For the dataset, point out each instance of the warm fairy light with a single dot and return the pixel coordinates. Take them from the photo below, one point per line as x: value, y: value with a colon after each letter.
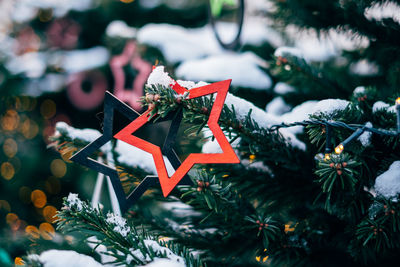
x: 398, y: 101
x: 48, y: 108
x: 58, y: 168
x: 126, y: 1
x: 19, y: 261
x: 11, y: 218
x: 225, y: 176
x: 327, y: 156
x: 25, y: 194
x: 38, y: 198
x: 5, y: 205
x: 32, y: 231
x: 288, y: 228
x: 10, y: 120
x: 46, y: 231
x: 339, y: 149
x: 48, y: 213
x: 10, y: 147
x: 7, y: 170
x: 29, y: 129
x: 252, y: 158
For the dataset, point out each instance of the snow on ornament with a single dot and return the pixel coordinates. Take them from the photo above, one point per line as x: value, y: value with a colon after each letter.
x: 128, y: 85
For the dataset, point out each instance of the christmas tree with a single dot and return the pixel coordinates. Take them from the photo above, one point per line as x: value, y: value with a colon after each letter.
x: 297, y: 165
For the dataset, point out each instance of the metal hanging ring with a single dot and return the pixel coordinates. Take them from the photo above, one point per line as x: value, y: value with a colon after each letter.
x: 235, y: 43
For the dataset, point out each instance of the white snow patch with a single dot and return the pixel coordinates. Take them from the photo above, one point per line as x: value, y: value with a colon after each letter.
x: 383, y: 10
x: 159, y: 77
x: 157, y: 249
x: 162, y: 262
x: 359, y: 90
x: 73, y: 200
x: 283, y: 88
x: 66, y: 258
x: 119, y: 28
x: 50, y: 83
x: 119, y: 224
x: 379, y: 105
x: 243, y: 69
x: 329, y: 106
x: 388, y: 183
x: 364, y: 68
x: 81, y: 60
x: 365, y: 138
x: 299, y: 113
x: 277, y: 106
x: 32, y: 65
x: 285, y: 51
x: 87, y: 135
x: 60, y: 8
x: 180, y: 209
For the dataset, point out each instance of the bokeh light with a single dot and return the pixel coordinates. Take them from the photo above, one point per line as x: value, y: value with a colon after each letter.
x: 10, y: 147
x: 25, y: 194
x: 48, y: 213
x: 58, y: 168
x: 53, y: 185
x: 48, y: 108
x: 10, y: 120
x: 11, y: 218
x: 46, y: 230
x: 29, y: 129
x: 38, y: 198
x: 5, y: 205
x: 19, y: 261
x: 7, y: 170
x: 32, y: 231
x: 127, y: 1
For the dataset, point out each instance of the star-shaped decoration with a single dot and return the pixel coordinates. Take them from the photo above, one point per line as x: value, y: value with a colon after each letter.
x: 227, y: 156
x: 111, y: 103
x: 117, y: 64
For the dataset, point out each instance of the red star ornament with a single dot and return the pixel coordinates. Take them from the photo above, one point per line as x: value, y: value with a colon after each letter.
x: 227, y: 156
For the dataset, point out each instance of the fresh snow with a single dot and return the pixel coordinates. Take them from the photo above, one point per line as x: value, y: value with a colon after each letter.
x: 162, y: 262
x: 119, y: 28
x: 379, y: 105
x: 283, y: 88
x: 244, y: 70
x: 85, y: 59
x: 66, y: 258
x: 386, y: 9
x: 32, y: 65
x: 119, y: 224
x: 277, y: 106
x: 157, y: 249
x: 73, y: 200
x: 330, y: 106
x: 365, y: 138
x: 179, y: 44
x: 388, y: 183
x: 364, y: 68
x: 359, y: 90
x: 159, y: 77
x: 285, y: 51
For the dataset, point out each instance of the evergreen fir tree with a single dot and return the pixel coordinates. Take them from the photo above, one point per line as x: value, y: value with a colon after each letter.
x: 319, y: 179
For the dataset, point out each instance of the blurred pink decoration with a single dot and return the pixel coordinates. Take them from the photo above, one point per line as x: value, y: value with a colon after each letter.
x: 63, y: 33
x: 27, y: 41
x: 93, y: 97
x: 130, y: 56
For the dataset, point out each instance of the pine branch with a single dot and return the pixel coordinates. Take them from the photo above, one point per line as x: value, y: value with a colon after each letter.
x: 126, y: 244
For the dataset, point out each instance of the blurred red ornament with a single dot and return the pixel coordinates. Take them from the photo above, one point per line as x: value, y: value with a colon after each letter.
x: 27, y: 41
x: 117, y: 64
x: 63, y: 33
x: 86, y: 89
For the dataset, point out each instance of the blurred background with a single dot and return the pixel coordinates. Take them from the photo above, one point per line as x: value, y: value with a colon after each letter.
x: 57, y: 58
